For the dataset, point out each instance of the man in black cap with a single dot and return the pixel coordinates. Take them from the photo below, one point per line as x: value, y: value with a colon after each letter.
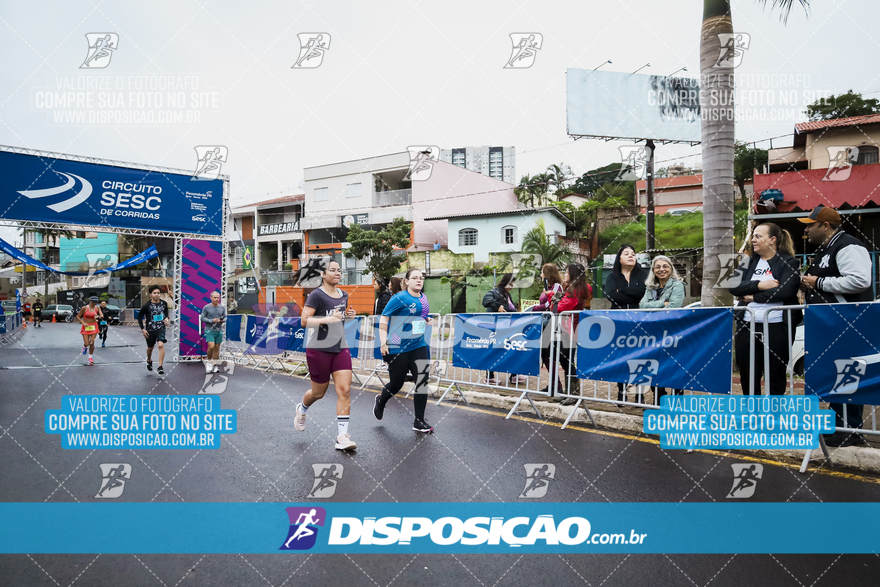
x: 839, y: 272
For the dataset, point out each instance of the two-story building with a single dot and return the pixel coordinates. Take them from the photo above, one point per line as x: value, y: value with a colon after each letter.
x: 678, y: 194
x: 835, y: 163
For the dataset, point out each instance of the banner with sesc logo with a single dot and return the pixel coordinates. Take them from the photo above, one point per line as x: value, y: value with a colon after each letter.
x: 682, y: 349
x: 509, y: 343
x: 46, y: 189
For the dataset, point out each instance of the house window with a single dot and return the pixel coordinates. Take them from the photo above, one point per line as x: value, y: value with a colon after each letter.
x: 322, y: 194
x: 508, y: 235
x: 868, y: 155
x: 238, y: 262
x: 467, y: 237
x: 353, y: 190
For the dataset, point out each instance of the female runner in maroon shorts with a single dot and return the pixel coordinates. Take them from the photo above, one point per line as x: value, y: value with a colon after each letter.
x: 327, y: 352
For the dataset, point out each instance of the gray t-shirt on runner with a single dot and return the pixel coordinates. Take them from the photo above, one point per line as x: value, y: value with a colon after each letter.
x: 209, y: 312
x: 329, y: 338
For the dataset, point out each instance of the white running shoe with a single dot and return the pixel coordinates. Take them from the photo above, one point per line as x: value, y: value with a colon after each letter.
x: 299, y: 422
x: 345, y: 442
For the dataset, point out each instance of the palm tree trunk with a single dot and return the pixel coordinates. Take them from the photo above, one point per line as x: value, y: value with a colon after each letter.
x: 716, y: 103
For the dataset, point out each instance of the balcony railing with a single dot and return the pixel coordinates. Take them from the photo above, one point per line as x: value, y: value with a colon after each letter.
x: 392, y: 198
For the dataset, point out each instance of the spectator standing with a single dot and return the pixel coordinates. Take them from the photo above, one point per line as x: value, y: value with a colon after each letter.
x: 498, y: 299
x: 576, y: 294
x: 839, y: 272
x: 625, y: 287
x: 663, y: 289
x: 770, y: 278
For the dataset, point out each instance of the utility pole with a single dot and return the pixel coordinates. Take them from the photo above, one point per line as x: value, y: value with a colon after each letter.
x: 649, y: 185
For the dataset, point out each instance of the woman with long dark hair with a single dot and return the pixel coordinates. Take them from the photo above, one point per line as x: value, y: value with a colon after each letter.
x: 625, y: 287
x: 327, y: 353
x: 383, y: 295
x: 395, y: 284
x: 402, y: 335
x: 771, y: 278
x: 576, y: 294
x: 498, y: 299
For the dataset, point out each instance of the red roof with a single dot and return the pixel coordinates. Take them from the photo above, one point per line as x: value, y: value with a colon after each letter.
x: 808, y: 127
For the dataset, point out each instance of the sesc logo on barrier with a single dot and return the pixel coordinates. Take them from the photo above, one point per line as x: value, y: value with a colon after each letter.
x: 303, y: 531
x: 683, y: 349
x: 510, y: 343
x: 93, y: 194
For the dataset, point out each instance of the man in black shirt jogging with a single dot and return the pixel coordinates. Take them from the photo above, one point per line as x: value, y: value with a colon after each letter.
x: 155, y: 314
x: 839, y: 272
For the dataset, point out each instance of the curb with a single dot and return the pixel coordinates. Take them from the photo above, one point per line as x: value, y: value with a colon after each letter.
x: 864, y: 459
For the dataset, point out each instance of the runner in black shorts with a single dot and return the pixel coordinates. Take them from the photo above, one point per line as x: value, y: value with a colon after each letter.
x: 37, y: 311
x: 327, y: 352
x: 103, y: 325
x: 155, y: 313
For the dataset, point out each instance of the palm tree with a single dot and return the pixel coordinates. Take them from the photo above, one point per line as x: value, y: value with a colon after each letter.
x: 560, y: 175
x: 524, y: 192
x: 536, y: 241
x: 541, y: 185
x: 716, y: 102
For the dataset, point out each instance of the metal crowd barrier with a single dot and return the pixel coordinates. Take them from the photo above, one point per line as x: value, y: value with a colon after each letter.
x: 567, y: 339
x: 12, y: 329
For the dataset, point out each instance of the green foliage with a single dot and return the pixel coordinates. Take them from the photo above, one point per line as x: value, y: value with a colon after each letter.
x: 377, y: 248
x: 592, y: 180
x: 671, y: 232
x: 842, y: 106
x: 288, y: 267
x: 536, y: 241
x: 104, y: 297
x: 745, y: 160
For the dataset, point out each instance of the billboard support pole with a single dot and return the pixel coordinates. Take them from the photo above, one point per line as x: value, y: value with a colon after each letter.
x: 649, y: 188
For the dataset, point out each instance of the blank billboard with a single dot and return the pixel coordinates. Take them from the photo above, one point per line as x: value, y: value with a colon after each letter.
x: 632, y: 106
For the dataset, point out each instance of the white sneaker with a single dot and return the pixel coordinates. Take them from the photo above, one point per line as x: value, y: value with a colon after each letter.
x: 299, y: 422
x: 345, y: 442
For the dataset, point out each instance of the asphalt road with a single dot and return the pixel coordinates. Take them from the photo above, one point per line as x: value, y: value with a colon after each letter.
x: 474, y: 456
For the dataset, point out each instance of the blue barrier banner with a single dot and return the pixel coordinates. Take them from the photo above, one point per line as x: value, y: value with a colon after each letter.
x: 233, y: 327
x: 682, y: 349
x: 45, y: 189
x: 250, y: 329
x: 296, y: 342
x: 412, y: 528
x: 505, y: 342
x: 842, y: 360
x: 271, y: 335
x: 352, y: 335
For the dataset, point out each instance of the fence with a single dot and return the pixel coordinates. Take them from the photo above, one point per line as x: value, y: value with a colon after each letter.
x: 463, y: 351
x: 11, y: 328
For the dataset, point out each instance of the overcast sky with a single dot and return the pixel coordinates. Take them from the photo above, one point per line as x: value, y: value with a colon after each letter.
x: 397, y: 74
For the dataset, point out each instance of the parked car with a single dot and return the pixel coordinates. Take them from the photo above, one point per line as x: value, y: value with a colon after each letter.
x: 60, y: 311
x: 112, y: 313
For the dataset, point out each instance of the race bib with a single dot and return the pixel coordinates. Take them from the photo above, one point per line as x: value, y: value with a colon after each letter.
x: 418, y: 327
x: 90, y: 328
x: 158, y: 318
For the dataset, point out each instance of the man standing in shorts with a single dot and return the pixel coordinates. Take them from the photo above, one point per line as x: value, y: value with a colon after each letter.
x: 37, y: 309
x: 213, y: 320
x: 153, y: 318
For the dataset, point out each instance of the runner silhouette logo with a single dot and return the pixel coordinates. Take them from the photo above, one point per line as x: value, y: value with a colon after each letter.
x: 745, y: 479
x: 303, y: 531
x: 113, y: 478
x: 538, y: 477
x: 327, y: 475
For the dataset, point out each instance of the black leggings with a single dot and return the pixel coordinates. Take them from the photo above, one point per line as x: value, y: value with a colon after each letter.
x: 102, y: 332
x: 398, y: 366
x: 779, y: 346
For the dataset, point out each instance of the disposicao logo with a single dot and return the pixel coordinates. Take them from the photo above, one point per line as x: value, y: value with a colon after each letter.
x: 78, y: 198
x: 303, y: 532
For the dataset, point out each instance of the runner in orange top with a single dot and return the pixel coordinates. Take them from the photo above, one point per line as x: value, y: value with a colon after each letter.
x: 87, y: 316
